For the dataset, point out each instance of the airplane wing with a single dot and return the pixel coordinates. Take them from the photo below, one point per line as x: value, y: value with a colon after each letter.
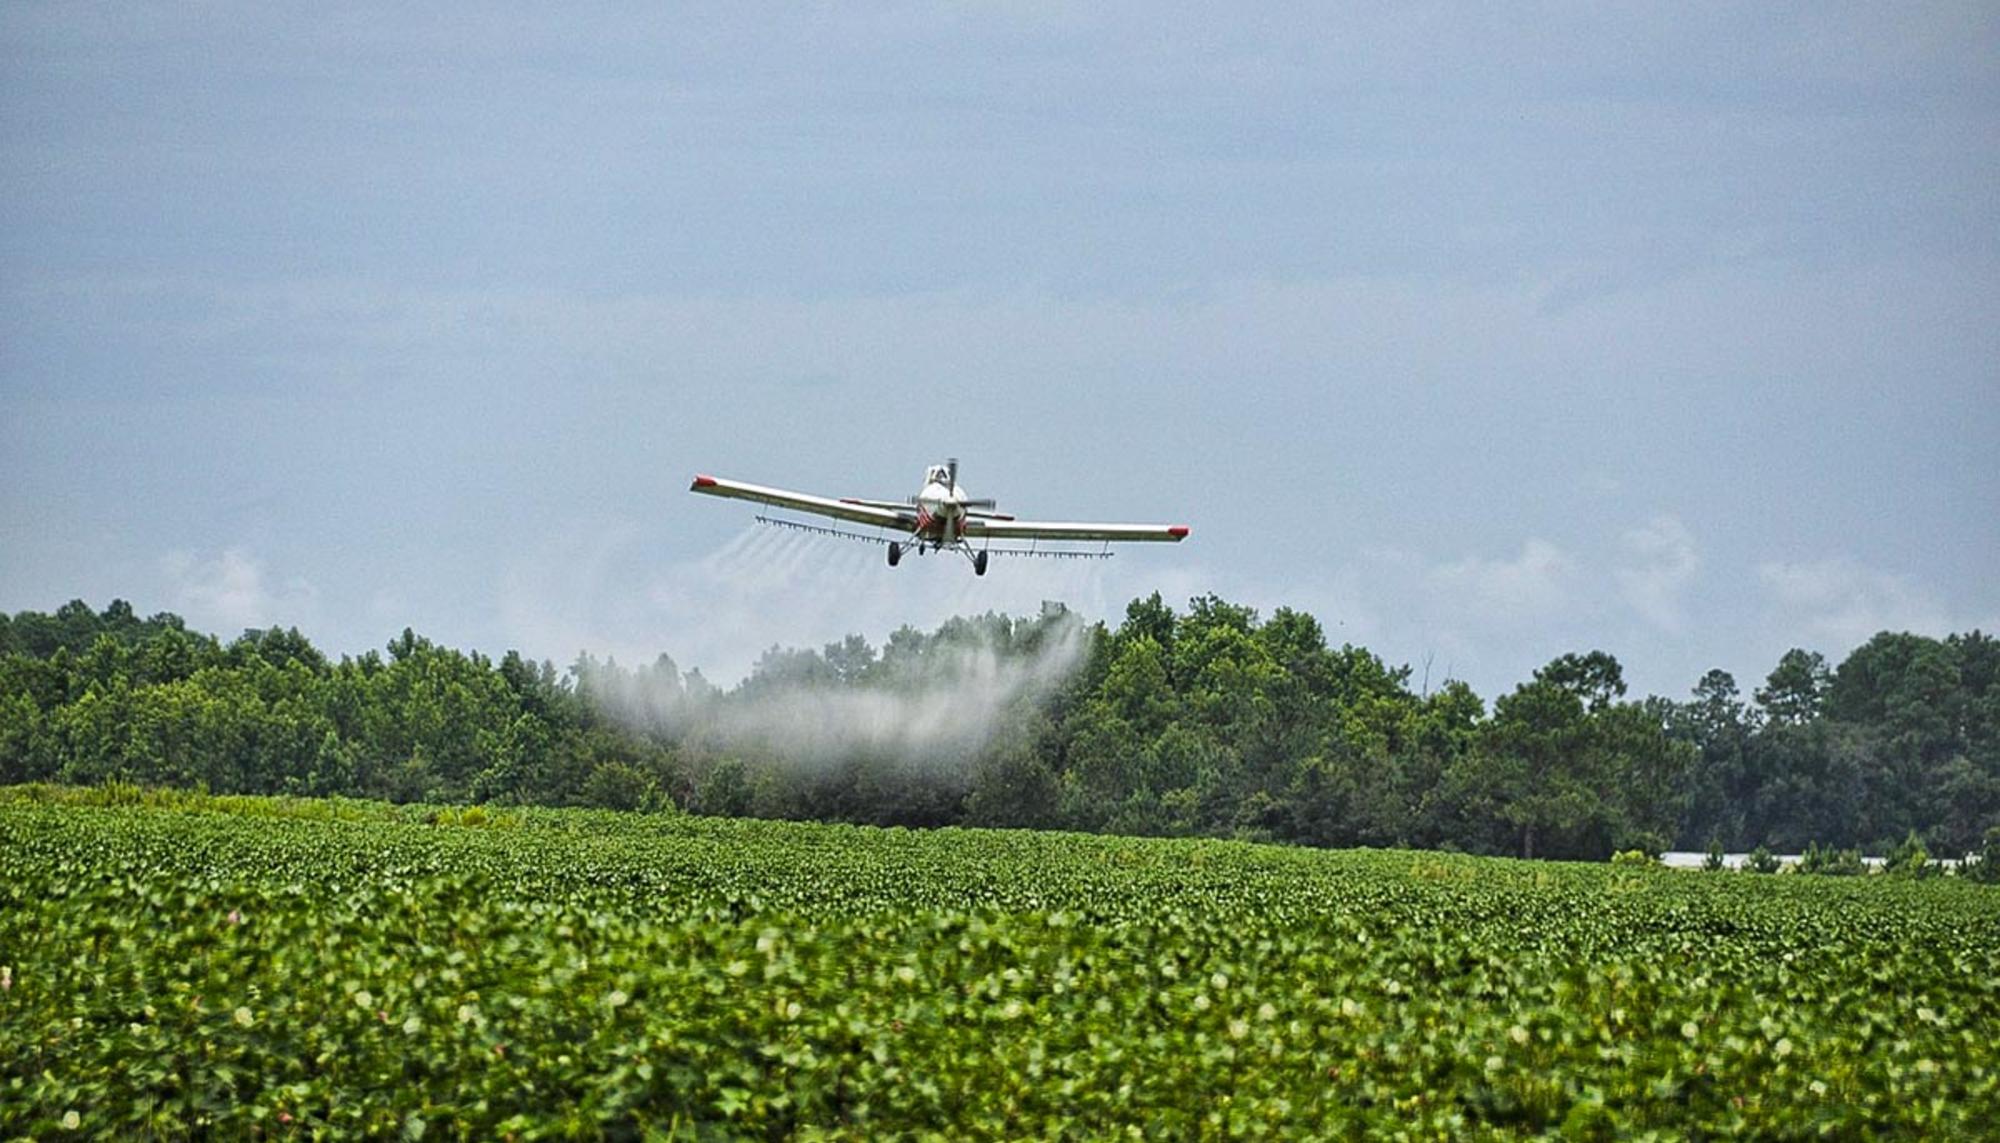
x: 878, y: 513
x: 903, y: 505
x: 976, y: 526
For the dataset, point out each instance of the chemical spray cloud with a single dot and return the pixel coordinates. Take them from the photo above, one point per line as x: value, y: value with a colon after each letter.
x: 768, y: 587
x: 933, y: 707
x: 945, y: 707
x: 931, y: 701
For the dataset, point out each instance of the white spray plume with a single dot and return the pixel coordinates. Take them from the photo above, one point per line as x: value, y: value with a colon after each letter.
x: 929, y: 702
x: 601, y: 587
x: 950, y: 706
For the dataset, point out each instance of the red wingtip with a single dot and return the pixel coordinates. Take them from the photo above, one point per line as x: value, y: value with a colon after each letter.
x: 702, y: 482
x: 1178, y: 531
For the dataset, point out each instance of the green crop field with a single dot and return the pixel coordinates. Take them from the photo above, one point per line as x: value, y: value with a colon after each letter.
x: 234, y: 967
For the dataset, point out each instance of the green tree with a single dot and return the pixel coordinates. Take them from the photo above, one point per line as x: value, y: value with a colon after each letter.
x: 617, y: 786
x: 725, y: 791
x: 1105, y: 765
x: 851, y: 660
x: 1646, y: 771
x: 1433, y: 771
x: 1831, y: 862
x: 1903, y: 692
x: 1148, y: 618
x: 1014, y: 787
x: 1810, y: 784
x: 1536, y: 765
x: 1792, y: 693
x: 21, y: 740
x: 1718, y: 724
x: 522, y: 765
x: 1984, y: 866
x: 1595, y: 678
x: 1910, y: 858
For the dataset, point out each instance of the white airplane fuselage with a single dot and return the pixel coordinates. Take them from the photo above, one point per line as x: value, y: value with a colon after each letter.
x: 941, y: 512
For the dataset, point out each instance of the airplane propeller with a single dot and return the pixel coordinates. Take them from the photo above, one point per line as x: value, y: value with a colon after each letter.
x: 951, y: 479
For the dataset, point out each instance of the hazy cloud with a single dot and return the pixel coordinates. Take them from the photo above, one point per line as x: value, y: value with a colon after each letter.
x: 1536, y: 585
x: 1481, y: 618
x: 1841, y: 603
x: 229, y: 593
x: 1660, y: 565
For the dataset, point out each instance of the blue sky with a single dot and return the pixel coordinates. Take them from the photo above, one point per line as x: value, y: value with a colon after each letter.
x: 1484, y: 334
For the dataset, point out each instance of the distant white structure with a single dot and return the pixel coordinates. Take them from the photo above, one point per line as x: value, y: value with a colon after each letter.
x: 1681, y: 859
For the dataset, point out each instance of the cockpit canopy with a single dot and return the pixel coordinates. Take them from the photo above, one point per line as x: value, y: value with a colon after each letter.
x: 938, y: 474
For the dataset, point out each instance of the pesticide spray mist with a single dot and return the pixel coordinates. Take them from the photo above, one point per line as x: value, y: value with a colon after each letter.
x: 946, y: 705
x: 929, y: 701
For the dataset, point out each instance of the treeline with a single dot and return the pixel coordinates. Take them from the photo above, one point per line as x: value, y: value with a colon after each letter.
x: 1210, y: 721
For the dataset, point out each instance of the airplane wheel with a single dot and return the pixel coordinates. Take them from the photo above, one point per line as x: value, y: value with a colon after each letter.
x: 979, y: 563
x: 895, y: 554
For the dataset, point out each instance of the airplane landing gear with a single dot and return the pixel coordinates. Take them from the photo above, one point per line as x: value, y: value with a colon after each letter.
x: 895, y: 554
x: 979, y: 563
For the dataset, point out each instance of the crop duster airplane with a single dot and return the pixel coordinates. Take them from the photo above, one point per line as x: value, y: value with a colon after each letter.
x: 940, y: 517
